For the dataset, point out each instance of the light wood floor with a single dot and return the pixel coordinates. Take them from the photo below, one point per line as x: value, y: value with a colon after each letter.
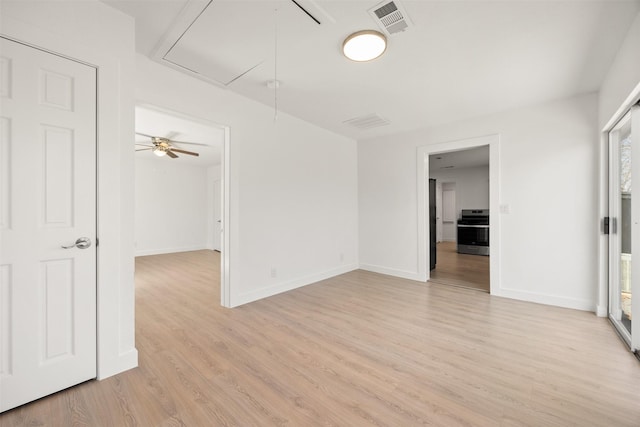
x: 452, y: 268
x: 356, y: 350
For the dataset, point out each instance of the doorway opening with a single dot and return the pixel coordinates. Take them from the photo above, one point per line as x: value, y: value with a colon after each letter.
x: 466, y: 181
x: 462, y: 185
x: 181, y: 197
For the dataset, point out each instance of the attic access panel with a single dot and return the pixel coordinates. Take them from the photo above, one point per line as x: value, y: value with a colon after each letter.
x: 228, y: 39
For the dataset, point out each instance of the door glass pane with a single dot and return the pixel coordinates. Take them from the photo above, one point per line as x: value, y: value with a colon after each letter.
x: 624, y: 139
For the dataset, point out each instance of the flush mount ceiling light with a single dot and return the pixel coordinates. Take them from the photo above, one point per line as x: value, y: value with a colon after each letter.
x: 364, y: 45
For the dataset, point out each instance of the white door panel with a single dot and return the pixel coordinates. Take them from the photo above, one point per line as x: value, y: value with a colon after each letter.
x: 48, y: 199
x: 449, y: 215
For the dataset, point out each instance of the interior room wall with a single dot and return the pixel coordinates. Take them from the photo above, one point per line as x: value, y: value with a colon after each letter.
x: 293, y: 186
x: 623, y: 75
x: 548, y: 172
x: 172, y: 206
x: 96, y: 34
x: 472, y: 186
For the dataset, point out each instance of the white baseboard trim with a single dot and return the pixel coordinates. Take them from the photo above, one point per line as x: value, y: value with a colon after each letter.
x: 124, y: 362
x: 411, y: 275
x: 602, y: 311
x: 289, y: 285
x: 558, y: 301
x: 170, y: 250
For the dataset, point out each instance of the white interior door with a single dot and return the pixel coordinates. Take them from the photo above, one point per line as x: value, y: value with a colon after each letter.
x: 438, y: 212
x: 449, y: 212
x: 48, y: 200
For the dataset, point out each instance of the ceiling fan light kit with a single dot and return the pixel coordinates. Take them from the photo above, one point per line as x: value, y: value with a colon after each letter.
x: 159, y: 151
x: 162, y: 146
x: 365, y: 45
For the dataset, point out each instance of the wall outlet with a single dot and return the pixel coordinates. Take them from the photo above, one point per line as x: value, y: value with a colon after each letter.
x: 341, y: 257
x: 274, y: 273
x: 505, y: 209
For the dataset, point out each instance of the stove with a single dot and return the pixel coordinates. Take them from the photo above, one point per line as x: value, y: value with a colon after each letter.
x: 473, y: 232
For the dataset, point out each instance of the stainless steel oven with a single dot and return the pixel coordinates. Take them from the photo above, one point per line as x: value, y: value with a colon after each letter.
x: 473, y: 232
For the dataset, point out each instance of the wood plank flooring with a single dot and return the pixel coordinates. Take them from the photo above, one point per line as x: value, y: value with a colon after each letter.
x: 356, y: 350
x: 452, y: 268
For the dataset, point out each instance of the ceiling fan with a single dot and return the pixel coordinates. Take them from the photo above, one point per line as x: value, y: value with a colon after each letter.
x: 161, y: 146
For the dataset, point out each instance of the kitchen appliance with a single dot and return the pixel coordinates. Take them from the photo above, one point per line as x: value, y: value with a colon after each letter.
x: 473, y: 232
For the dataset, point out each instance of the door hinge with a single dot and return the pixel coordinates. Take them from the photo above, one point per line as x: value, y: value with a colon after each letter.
x: 609, y: 225
x: 97, y: 242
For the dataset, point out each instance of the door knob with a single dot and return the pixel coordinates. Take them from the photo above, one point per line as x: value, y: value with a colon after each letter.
x: 81, y: 243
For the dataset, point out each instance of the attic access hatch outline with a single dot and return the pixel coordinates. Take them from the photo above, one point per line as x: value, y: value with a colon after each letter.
x: 204, y: 20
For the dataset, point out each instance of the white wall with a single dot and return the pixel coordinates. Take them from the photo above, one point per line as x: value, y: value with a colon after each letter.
x: 94, y: 33
x: 293, y: 186
x: 623, y: 75
x: 548, y: 173
x: 172, y: 206
x: 472, y: 186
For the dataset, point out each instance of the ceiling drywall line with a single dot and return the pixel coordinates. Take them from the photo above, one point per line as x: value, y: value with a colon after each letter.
x: 185, y: 31
x: 307, y: 12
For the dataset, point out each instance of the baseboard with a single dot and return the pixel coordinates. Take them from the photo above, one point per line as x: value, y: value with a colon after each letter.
x: 269, y: 291
x: 170, y: 250
x: 558, y: 301
x: 124, y: 362
x: 602, y: 311
x: 411, y: 275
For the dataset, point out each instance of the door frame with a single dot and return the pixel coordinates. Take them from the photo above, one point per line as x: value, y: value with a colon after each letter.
x: 602, y: 306
x: 422, y: 158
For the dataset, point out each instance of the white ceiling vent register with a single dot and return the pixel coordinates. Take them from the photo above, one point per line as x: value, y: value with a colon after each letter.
x: 390, y: 17
x: 367, y: 122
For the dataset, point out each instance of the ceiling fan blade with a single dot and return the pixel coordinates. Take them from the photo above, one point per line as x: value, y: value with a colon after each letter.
x: 144, y: 134
x: 143, y: 149
x: 189, y: 143
x: 191, y: 153
x: 144, y: 145
x: 172, y: 135
x: 171, y: 154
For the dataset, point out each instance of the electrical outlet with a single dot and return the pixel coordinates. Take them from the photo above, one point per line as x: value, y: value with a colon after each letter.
x: 274, y: 272
x: 341, y: 257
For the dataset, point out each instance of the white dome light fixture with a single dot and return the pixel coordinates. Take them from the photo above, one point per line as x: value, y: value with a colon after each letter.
x: 364, y: 45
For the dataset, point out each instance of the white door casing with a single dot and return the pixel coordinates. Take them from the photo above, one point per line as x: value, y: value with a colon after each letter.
x: 47, y: 200
x: 217, y: 215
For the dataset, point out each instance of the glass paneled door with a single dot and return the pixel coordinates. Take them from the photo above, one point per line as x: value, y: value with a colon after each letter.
x: 624, y: 210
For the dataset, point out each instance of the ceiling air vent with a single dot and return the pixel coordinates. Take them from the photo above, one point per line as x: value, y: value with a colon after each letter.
x: 367, y: 122
x: 390, y: 16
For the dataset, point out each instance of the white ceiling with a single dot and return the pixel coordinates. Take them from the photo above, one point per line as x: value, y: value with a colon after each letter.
x: 458, y: 60
x: 473, y: 157
x: 210, y: 139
